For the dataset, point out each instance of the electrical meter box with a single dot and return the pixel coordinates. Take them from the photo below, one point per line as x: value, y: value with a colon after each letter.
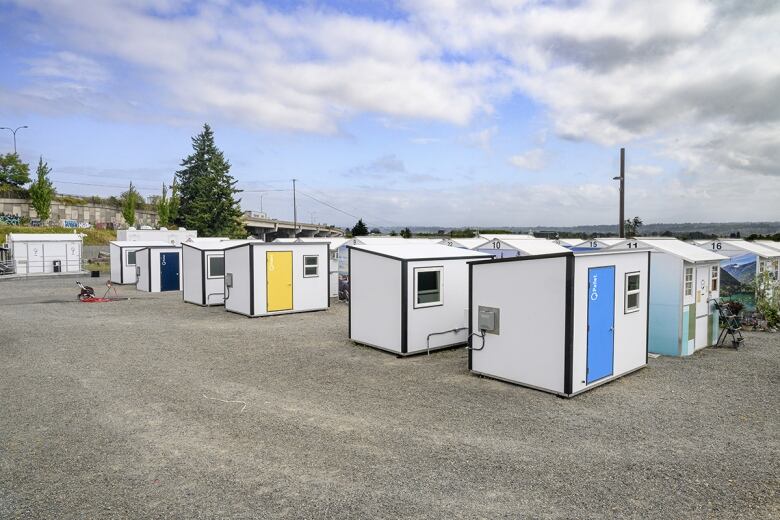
x: 228, y: 279
x: 489, y: 319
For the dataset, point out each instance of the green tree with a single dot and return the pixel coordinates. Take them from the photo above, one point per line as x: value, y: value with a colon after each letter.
x: 129, y: 202
x: 360, y: 229
x: 42, y: 191
x: 207, y: 192
x: 13, y: 172
x: 163, y: 207
x: 173, y: 203
x: 632, y: 227
x: 406, y: 233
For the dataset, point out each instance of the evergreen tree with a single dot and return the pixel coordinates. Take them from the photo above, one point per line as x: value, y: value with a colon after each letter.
x: 406, y: 233
x: 207, y: 191
x: 129, y: 201
x: 42, y: 191
x: 360, y: 229
x: 632, y: 227
x: 13, y: 172
x: 163, y: 207
x: 173, y: 203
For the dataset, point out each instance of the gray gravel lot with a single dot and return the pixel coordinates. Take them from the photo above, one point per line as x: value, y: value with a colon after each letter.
x: 103, y: 415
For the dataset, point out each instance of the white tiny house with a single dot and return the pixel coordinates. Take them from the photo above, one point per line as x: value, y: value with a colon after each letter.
x: 263, y: 279
x: 338, y: 250
x: 463, y: 243
x: 409, y: 298
x: 123, y: 259
x: 203, y: 270
x: 513, y: 247
x: 684, y: 279
x: 563, y: 323
x: 144, y: 234
x: 34, y: 253
x: 158, y: 268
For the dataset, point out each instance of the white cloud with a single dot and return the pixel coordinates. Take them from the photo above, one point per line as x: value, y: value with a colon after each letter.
x: 529, y: 160
x: 482, y: 138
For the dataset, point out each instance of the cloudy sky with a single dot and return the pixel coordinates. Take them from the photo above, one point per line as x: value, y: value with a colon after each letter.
x: 418, y: 112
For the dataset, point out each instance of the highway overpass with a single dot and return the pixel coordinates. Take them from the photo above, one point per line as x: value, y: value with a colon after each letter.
x: 260, y: 226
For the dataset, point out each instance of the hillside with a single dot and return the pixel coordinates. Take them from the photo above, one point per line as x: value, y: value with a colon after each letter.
x: 92, y: 237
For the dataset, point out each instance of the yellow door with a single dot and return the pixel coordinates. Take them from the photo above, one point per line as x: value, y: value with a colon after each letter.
x: 279, y: 278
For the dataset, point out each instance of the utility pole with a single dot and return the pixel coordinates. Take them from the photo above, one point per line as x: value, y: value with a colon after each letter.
x: 14, y: 132
x: 622, y: 179
x: 295, y: 213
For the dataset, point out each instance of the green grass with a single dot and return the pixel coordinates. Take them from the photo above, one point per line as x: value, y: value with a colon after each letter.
x: 93, y: 237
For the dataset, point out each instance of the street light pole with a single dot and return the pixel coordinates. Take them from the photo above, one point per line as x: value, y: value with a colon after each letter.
x: 622, y: 179
x: 13, y: 130
x: 295, y: 213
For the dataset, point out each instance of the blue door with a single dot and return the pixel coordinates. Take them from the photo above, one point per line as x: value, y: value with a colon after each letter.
x: 601, y: 322
x: 169, y: 271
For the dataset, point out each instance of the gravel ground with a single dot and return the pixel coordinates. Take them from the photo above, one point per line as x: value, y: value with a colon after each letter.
x: 103, y: 415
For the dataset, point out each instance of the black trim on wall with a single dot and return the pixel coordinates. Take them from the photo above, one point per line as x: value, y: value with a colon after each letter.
x: 121, y: 266
x: 204, y: 274
x: 149, y: 250
x: 647, y: 313
x: 251, y: 280
x: 327, y: 264
x: 476, y: 257
x: 568, y: 356
x: 404, y: 306
x: 471, y: 309
x: 521, y: 258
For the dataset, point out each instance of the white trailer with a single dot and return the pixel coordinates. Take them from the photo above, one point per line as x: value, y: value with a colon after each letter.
x: 513, y: 247
x: 684, y: 281
x: 147, y: 234
x: 338, y: 250
x: 158, y: 268
x: 263, y: 279
x: 34, y: 253
x: 203, y: 270
x: 407, y: 298
x: 123, y: 259
x: 563, y: 323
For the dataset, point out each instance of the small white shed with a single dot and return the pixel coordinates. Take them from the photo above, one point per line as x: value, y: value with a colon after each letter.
x: 463, y: 243
x: 338, y: 250
x: 158, y: 268
x: 263, y: 278
x: 34, y: 253
x: 203, y: 270
x: 409, y: 298
x: 563, y: 323
x: 123, y: 259
x: 683, y: 281
x: 513, y: 247
x: 147, y: 234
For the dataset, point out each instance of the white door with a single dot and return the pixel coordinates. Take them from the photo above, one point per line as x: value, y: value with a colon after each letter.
x: 702, y: 306
x: 35, y: 257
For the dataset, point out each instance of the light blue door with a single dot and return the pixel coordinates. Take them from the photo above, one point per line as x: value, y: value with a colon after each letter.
x: 601, y: 322
x: 169, y: 271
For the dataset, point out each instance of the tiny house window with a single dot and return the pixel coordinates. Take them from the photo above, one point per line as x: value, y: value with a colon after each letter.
x: 714, y: 272
x: 427, y: 287
x: 311, y: 266
x: 632, y: 292
x: 689, y: 281
x: 216, y: 266
x: 131, y: 258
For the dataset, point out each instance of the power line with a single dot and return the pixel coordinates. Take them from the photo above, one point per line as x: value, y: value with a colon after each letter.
x: 342, y: 211
x: 328, y: 205
x: 102, y: 185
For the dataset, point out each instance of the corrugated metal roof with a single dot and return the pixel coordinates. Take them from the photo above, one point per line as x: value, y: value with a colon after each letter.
x: 750, y: 247
x: 610, y: 241
x: 571, y: 242
x: 771, y: 244
x: 535, y: 246
x: 418, y: 250
x: 688, y: 252
x: 44, y: 237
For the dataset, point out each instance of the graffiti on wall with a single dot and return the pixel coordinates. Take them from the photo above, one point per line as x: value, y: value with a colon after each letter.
x: 11, y: 220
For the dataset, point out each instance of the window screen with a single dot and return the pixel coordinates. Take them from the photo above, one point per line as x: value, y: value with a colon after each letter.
x: 428, y: 287
x: 216, y: 266
x: 131, y: 258
x: 632, y: 292
x: 311, y: 266
x: 714, y: 271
